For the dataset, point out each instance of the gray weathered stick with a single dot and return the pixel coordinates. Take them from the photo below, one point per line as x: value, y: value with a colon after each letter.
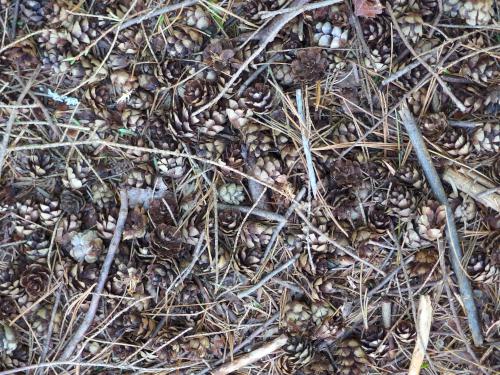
x: 305, y: 142
x: 94, y: 303
x: 451, y: 230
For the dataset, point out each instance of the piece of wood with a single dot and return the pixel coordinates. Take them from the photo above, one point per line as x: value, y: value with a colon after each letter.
x: 253, y: 356
x: 424, y: 320
x: 474, y: 185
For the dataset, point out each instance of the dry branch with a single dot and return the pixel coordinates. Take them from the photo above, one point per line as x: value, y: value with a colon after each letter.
x: 113, y: 247
x: 455, y: 252
x: 252, y: 357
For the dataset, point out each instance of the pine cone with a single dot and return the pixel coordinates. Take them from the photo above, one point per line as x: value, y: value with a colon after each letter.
x: 434, y: 125
x: 35, y: 280
x: 411, y: 176
x: 160, y: 277
x: 195, y: 93
x: 351, y: 358
x: 136, y: 325
x: 431, y: 220
x: 86, y: 246
x: 35, y: 164
x: 476, y: 12
x: 486, y: 139
x: 481, y: 269
x: 345, y: 132
x: 183, y: 42
x: 258, y: 98
x: 330, y: 36
x: 464, y: 207
x: 284, y: 73
x: 411, y: 24
x: 423, y: 264
x: 402, y: 202
x: 405, y: 331
x: 378, y: 219
x: 49, y: 213
x: 8, y: 339
x: 373, y: 341
x: 297, y: 318
x: 232, y: 194
x: 135, y: 226
x: 299, y: 351
x: 248, y: 260
x: 344, y: 173
x: 319, y: 365
x: 375, y: 29
x: 380, y: 57
x: 310, y: 65
x: 197, y: 17
x: 455, y: 141
x: 269, y: 170
x: 208, y: 123
x: 258, y: 139
x: 480, y: 68
x: 229, y: 221
x: 166, y: 241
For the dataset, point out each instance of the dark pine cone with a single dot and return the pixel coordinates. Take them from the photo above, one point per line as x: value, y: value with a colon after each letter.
x: 35, y: 279
x: 310, y: 65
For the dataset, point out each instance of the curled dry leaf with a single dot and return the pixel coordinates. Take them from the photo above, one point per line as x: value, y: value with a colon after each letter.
x: 367, y: 8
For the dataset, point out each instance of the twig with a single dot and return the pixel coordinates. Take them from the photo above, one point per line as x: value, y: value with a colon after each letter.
x: 446, y: 283
x: 251, y: 357
x: 245, y: 342
x: 407, y: 68
x: 456, y: 252
x: 113, y: 247
x: 321, y: 4
x: 305, y: 142
x: 51, y: 326
x: 14, y: 20
x: 254, y: 211
x: 282, y: 224
x: 156, y: 13
x: 443, y: 84
x: 268, y: 277
x: 12, y: 118
x: 266, y: 36
x: 424, y: 320
x: 138, y: 370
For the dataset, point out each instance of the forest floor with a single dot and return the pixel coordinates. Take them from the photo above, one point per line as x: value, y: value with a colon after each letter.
x: 249, y: 187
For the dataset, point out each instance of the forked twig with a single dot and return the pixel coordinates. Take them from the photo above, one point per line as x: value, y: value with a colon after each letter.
x: 267, y: 35
x: 455, y: 252
x: 113, y: 247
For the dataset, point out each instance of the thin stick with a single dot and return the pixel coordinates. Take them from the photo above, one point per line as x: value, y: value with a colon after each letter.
x: 113, y: 247
x: 282, y: 224
x: 455, y: 253
x: 252, y: 357
x: 14, y: 20
x: 271, y: 216
x: 12, y: 118
x: 305, y: 142
x: 267, y: 36
x: 245, y: 342
x: 156, y: 13
x: 51, y: 326
x: 268, y: 277
x: 407, y: 68
x: 443, y: 84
